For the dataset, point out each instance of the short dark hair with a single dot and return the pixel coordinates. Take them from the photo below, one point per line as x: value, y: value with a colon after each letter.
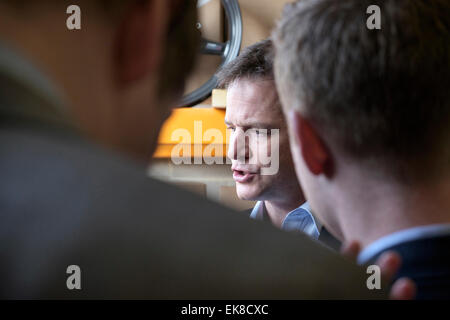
x: 380, y: 95
x: 255, y: 61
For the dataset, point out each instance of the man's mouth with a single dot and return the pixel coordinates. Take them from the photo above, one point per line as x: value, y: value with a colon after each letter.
x: 243, y: 176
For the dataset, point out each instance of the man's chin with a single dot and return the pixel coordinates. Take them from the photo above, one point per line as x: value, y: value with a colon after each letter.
x: 248, y: 195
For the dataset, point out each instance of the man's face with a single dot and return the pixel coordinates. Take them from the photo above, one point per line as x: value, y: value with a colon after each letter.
x: 252, y: 108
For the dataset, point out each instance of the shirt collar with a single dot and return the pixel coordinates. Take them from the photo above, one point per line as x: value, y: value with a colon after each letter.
x: 317, y: 222
x: 258, y: 211
x: 396, y: 238
x: 299, y: 219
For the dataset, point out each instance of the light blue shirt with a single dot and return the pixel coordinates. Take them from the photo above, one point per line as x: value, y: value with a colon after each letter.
x: 300, y: 219
x: 396, y: 238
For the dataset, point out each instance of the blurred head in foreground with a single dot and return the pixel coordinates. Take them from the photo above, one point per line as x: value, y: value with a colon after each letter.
x: 120, y: 73
x: 253, y: 111
x: 368, y: 112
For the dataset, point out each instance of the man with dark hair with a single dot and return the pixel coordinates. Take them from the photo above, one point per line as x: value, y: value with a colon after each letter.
x: 369, y: 118
x: 253, y: 104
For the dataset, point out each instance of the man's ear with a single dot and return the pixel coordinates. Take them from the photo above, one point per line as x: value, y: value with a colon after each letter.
x: 140, y: 40
x: 314, y: 151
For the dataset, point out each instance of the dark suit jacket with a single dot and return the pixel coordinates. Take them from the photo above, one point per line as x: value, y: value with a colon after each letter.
x: 65, y: 201
x: 427, y: 262
x: 325, y: 236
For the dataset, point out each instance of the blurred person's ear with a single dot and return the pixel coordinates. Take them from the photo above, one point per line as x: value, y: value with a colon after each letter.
x: 313, y: 150
x: 139, y: 45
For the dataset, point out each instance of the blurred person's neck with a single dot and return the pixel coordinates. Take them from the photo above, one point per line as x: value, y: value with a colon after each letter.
x: 369, y: 207
x: 277, y: 210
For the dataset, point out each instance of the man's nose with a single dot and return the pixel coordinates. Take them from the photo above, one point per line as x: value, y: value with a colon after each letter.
x: 239, y: 146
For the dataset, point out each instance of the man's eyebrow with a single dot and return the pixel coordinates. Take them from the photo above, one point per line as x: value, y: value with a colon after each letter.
x: 260, y: 125
x: 255, y: 125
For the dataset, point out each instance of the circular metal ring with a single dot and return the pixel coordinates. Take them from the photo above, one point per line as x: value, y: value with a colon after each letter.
x: 228, y: 51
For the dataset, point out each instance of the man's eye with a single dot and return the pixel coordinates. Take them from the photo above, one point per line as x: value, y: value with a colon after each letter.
x: 231, y: 128
x: 262, y: 131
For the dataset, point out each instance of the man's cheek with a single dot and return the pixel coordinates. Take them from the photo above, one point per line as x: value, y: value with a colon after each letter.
x: 260, y: 151
x: 253, y: 152
x: 270, y: 159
